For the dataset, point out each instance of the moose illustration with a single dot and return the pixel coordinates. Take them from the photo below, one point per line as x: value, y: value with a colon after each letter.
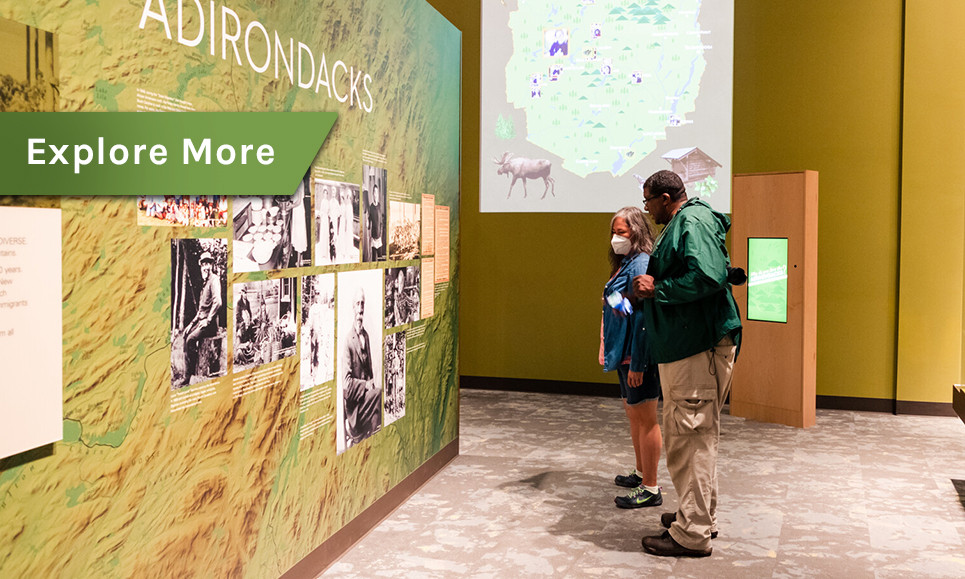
x: 523, y: 168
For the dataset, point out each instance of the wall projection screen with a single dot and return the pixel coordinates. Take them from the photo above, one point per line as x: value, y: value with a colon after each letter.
x: 580, y: 97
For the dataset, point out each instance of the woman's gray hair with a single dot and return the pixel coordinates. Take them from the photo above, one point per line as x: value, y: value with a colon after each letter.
x: 641, y: 234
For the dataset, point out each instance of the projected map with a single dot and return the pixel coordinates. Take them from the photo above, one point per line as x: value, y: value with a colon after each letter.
x: 595, y: 91
x: 583, y: 93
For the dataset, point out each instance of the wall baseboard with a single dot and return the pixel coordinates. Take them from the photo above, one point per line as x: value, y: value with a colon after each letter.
x: 925, y: 408
x: 613, y: 391
x: 313, y: 564
x: 855, y: 403
x: 541, y: 386
x: 885, y: 405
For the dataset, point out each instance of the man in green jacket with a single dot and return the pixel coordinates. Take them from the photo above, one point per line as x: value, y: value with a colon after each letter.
x: 695, y: 330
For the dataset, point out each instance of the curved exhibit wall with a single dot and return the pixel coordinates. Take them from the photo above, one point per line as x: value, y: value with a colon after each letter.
x: 242, y: 377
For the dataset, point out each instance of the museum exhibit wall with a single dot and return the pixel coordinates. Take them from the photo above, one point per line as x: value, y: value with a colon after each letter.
x: 326, y: 374
x: 817, y: 86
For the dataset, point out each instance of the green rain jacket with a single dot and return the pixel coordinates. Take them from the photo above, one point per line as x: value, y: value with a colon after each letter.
x: 693, y: 307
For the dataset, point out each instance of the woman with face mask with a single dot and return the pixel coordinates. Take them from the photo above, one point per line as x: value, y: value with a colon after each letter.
x: 624, y: 348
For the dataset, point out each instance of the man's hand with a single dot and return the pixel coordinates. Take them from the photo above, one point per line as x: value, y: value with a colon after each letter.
x: 643, y: 286
x: 634, y: 379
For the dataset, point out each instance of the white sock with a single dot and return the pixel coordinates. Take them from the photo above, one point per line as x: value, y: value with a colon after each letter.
x: 653, y: 490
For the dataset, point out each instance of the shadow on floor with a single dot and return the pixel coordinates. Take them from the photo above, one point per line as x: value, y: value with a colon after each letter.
x: 582, y: 505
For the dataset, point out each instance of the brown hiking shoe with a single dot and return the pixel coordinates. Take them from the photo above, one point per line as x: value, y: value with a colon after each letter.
x: 665, y: 546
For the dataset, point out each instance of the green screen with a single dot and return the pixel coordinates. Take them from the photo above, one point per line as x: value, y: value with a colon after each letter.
x: 767, y: 279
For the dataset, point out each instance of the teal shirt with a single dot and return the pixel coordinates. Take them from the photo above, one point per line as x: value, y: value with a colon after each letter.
x: 693, y: 307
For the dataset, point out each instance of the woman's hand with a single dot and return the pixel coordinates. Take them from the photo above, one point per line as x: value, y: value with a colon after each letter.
x: 623, y: 308
x: 634, y: 379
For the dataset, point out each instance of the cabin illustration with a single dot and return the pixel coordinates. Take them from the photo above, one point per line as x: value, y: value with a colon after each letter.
x: 691, y: 164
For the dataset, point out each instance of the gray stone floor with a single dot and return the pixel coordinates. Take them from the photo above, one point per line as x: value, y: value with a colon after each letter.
x: 531, y: 494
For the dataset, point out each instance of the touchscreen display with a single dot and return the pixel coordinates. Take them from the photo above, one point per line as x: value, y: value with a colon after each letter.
x: 767, y: 279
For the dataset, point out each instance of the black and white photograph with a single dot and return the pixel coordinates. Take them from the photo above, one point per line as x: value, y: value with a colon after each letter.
x: 336, y: 222
x: 28, y: 69
x: 265, y: 326
x: 373, y: 222
x: 318, y: 330
x: 359, y: 381
x: 404, y: 230
x: 199, y: 281
x: 394, y: 377
x: 402, y: 293
x: 271, y: 232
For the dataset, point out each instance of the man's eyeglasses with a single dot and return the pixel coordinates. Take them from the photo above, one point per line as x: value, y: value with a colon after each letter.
x: 649, y: 199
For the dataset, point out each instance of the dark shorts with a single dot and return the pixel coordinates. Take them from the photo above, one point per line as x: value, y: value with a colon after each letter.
x: 646, y: 392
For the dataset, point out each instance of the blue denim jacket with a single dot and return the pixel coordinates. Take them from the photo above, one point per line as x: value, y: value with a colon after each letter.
x: 625, y: 336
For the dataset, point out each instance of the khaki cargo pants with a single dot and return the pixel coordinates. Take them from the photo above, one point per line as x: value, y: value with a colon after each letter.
x: 694, y: 390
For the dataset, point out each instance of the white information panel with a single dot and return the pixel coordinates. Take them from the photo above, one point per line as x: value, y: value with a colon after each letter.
x: 31, y: 331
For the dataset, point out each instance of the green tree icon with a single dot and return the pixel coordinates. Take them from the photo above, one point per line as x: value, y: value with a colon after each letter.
x: 505, y: 128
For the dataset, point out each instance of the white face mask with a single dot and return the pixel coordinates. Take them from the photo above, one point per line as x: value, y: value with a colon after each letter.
x: 620, y: 244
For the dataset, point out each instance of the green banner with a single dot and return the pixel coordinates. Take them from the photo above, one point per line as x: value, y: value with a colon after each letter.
x: 158, y: 153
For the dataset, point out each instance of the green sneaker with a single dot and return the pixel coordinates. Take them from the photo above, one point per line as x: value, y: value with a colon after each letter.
x: 630, y: 481
x: 639, y: 497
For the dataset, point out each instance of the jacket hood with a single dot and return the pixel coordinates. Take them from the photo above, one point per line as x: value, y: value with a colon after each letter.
x: 721, y: 218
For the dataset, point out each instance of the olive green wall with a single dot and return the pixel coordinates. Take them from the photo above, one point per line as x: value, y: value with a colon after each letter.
x: 817, y: 85
x: 932, y: 202
x: 530, y: 305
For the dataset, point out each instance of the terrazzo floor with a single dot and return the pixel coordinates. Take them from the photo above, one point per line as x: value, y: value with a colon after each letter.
x: 859, y: 495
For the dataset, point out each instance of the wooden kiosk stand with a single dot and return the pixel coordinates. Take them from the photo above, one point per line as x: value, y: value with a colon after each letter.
x: 775, y: 238
x: 958, y: 400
